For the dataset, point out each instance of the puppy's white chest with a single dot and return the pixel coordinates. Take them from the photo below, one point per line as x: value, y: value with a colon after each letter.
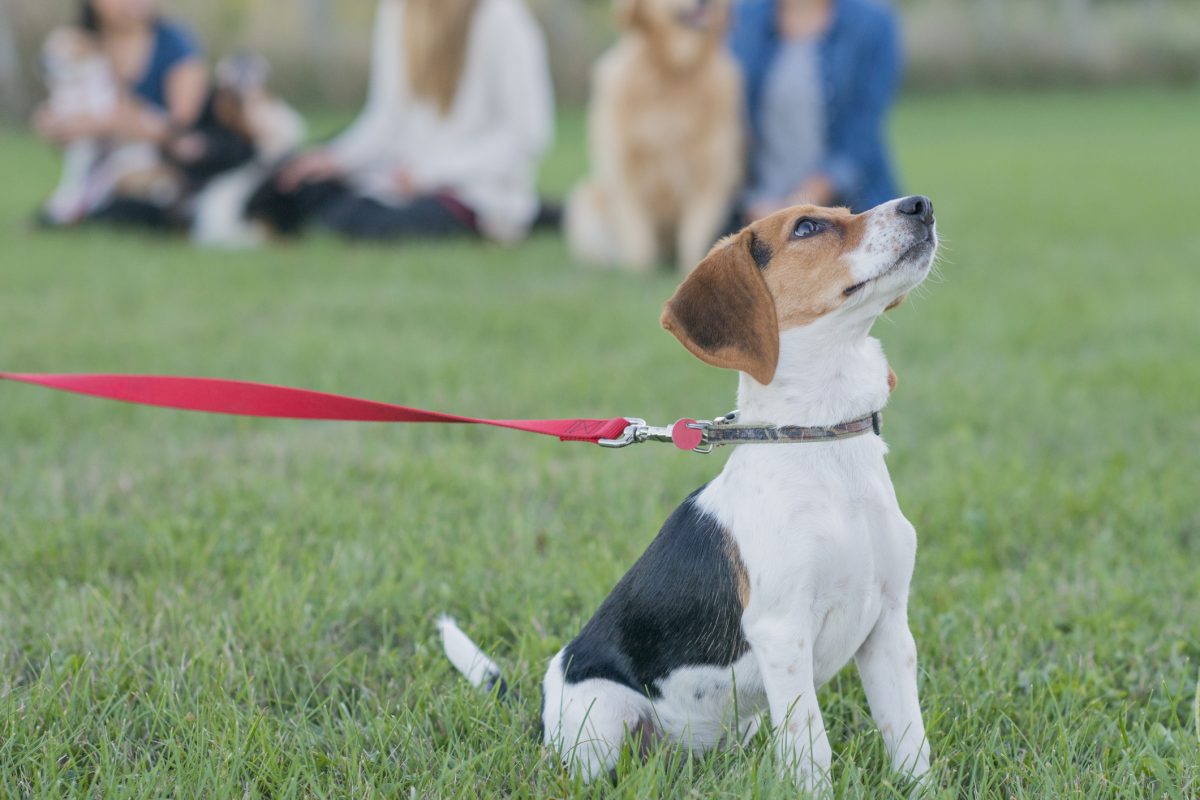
x: 822, y: 539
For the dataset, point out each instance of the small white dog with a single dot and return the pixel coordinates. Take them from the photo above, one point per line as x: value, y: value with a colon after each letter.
x: 81, y: 84
x: 796, y: 558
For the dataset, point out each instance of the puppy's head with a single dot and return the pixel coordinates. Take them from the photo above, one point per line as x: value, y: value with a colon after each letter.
x: 67, y: 51
x: 680, y: 30
x: 242, y: 73
x: 240, y: 81
x: 793, y: 268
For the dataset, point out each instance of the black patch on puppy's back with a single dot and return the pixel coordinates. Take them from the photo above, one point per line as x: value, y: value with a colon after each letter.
x: 680, y: 604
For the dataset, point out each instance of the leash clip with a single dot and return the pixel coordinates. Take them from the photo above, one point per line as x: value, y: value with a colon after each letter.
x: 680, y: 434
x: 706, y: 445
x: 686, y: 434
x: 628, y: 436
x: 638, y: 431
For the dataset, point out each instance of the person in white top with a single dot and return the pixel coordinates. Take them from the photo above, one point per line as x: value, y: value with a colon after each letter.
x: 459, y: 113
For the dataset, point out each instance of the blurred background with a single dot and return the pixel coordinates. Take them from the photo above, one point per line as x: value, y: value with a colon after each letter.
x: 244, y: 608
x: 316, y: 46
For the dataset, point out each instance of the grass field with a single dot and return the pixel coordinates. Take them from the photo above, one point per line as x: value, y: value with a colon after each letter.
x: 211, y: 607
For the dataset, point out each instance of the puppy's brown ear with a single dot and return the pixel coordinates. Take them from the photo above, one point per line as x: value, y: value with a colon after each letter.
x: 724, y: 314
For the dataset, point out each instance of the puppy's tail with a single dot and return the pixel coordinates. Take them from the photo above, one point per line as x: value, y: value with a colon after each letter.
x: 468, y: 659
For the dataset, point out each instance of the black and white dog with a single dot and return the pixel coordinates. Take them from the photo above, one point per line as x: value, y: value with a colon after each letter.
x: 796, y: 558
x: 242, y: 103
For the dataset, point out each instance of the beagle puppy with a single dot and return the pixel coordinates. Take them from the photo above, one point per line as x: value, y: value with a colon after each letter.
x: 796, y: 558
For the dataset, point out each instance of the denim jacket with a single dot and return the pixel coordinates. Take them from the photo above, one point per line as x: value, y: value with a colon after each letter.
x: 860, y: 63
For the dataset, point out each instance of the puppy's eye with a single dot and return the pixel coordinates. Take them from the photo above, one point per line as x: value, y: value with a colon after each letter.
x: 808, y: 227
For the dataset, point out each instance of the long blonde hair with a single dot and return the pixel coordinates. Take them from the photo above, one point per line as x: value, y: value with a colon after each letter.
x: 435, y: 40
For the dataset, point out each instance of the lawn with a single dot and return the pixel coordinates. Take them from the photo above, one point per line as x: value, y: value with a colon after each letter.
x: 195, y: 606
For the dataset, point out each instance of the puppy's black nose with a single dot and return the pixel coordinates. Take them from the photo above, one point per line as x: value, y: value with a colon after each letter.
x: 917, y: 206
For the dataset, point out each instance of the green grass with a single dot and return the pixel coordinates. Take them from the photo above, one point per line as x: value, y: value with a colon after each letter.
x: 194, y: 606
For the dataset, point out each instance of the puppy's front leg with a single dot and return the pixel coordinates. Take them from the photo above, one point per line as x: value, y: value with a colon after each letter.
x: 785, y: 660
x: 887, y: 663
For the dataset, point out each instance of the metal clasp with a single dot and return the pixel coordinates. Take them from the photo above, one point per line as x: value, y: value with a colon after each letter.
x: 628, y: 436
x: 706, y: 446
x: 638, y: 431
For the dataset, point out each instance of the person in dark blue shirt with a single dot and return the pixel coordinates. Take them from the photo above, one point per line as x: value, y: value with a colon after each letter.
x: 820, y: 79
x: 161, y: 89
x: 174, y: 47
x: 160, y: 68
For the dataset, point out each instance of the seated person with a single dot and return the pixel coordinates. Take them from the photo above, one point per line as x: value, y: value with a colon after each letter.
x: 137, y: 80
x: 459, y: 113
x: 821, y: 77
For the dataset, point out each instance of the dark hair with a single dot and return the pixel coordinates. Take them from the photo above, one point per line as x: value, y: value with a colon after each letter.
x: 89, y: 20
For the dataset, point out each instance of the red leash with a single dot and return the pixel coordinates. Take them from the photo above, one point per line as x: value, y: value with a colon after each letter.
x: 243, y: 398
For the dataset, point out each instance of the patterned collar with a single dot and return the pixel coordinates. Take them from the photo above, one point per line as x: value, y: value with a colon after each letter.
x: 722, y: 432
x: 702, y: 436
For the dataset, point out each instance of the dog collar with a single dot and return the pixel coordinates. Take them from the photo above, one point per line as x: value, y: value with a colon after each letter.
x: 702, y: 436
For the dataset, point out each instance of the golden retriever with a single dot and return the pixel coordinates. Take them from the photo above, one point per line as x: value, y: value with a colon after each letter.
x: 665, y: 138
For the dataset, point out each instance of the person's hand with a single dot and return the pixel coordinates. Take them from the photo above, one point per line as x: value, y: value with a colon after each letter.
x: 62, y: 129
x: 404, y: 182
x: 309, y: 167
x: 187, y: 148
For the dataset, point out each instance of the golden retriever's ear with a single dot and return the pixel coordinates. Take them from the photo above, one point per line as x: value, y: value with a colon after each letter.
x: 627, y: 13
x: 724, y: 314
x: 891, y: 380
